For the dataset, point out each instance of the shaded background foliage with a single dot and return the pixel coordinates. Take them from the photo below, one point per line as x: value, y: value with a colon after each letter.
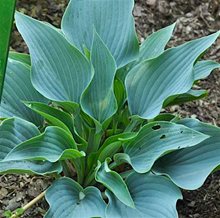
x: 195, y: 18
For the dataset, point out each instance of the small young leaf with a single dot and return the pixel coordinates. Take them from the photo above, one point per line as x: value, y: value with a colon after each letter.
x: 21, y: 57
x: 7, y: 214
x: 155, y: 44
x: 55, y: 116
x: 152, y: 47
x: 191, y: 95
x: 114, y: 182
x: 99, y: 100
x: 203, y: 68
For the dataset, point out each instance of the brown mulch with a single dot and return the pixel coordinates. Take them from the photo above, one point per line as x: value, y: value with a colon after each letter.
x: 195, y: 18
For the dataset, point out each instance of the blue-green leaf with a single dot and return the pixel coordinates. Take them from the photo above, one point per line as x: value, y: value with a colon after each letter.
x: 152, y: 47
x: 53, y: 115
x: 188, y: 168
x: 191, y: 95
x: 114, y: 182
x: 156, y: 139
x: 203, y: 68
x: 152, y: 81
x: 18, y: 88
x: 110, y: 19
x: 59, y: 71
x: 14, y: 131
x: 52, y: 145
x: 68, y: 199
x: 98, y: 100
x: 155, y: 44
x: 154, y: 196
x: 30, y: 167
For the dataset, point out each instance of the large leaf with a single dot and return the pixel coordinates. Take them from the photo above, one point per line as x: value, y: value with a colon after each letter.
x: 18, y: 88
x: 189, y: 167
x: 154, y: 196
x: 152, y: 81
x: 14, y: 131
x: 157, y: 138
x: 110, y: 19
x: 98, y: 100
x: 52, y: 145
x: 59, y: 71
x: 203, y: 68
x: 114, y: 182
x: 68, y: 199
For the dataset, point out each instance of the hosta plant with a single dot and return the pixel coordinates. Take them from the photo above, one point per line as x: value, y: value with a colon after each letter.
x: 84, y: 107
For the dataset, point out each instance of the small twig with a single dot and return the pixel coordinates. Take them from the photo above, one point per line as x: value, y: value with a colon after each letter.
x: 30, y: 204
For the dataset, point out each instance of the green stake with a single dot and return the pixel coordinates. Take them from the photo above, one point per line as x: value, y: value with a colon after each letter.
x: 7, y: 8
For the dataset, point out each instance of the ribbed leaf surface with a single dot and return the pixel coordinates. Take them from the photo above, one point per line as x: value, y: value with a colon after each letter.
x: 14, y: 131
x: 189, y: 167
x: 52, y: 145
x: 152, y: 81
x: 154, y: 196
x: 18, y: 88
x: 53, y: 115
x: 59, y: 71
x: 68, y: 199
x: 155, y: 44
x: 191, y: 95
x: 151, y: 47
x: 30, y: 167
x: 110, y: 19
x: 203, y: 68
x: 114, y: 182
x: 157, y: 138
x: 98, y: 100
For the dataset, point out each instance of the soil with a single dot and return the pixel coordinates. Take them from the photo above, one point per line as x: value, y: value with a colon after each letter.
x: 195, y: 18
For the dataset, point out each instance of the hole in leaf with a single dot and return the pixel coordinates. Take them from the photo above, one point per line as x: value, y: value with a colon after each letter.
x: 163, y: 137
x: 156, y: 127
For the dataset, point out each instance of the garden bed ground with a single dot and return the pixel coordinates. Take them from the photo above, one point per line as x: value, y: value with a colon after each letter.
x: 194, y: 18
